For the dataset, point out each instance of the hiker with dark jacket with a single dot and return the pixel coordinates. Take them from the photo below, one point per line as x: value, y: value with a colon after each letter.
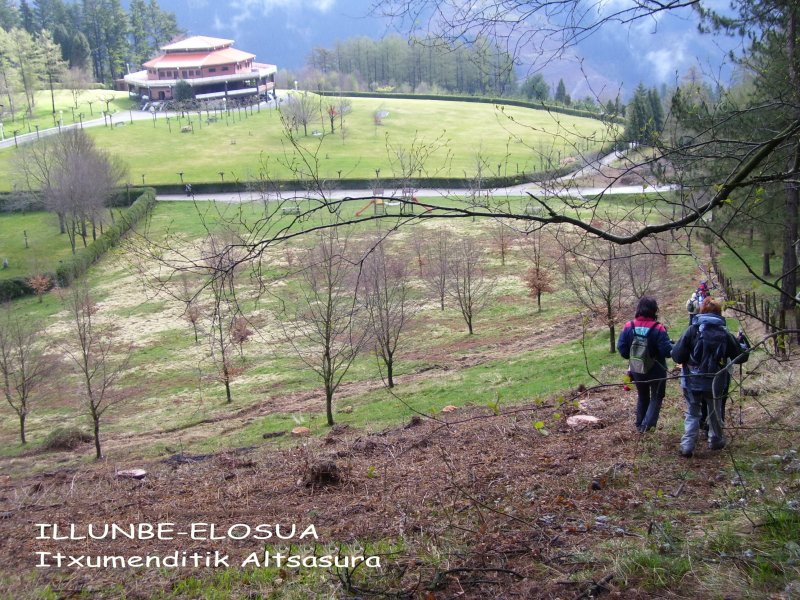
x: 648, y: 373
x: 705, y: 350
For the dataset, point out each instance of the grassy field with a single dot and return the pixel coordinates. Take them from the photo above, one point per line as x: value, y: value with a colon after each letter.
x: 504, y: 468
x: 91, y: 104
x: 32, y: 243
x: 423, y: 138
x: 174, y: 376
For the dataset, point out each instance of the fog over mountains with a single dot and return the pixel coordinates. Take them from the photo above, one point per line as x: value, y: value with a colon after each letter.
x: 657, y: 51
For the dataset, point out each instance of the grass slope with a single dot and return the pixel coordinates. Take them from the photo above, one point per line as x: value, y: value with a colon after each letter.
x: 446, y: 139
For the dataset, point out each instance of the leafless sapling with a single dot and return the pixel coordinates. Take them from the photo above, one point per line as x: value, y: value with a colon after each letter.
x: 24, y: 364
x: 597, y: 278
x: 437, y: 263
x: 327, y: 331
x: 385, y: 291
x: 98, y: 359
x: 469, y: 284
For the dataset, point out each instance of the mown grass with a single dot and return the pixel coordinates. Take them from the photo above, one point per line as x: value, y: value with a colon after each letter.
x: 65, y: 109
x: 46, y: 247
x: 44, y: 244
x: 454, y: 137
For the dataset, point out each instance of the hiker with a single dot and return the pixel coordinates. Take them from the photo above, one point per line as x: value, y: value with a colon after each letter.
x: 696, y: 301
x: 645, y: 343
x: 706, y: 349
x: 188, y: 189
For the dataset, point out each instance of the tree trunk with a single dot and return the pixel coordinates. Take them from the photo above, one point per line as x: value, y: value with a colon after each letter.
x: 62, y: 223
x: 765, y: 270
x: 98, y: 452
x: 539, y: 300
x: 22, y: 427
x: 612, y: 338
x: 329, y: 405
x: 389, y: 372
x: 789, y: 269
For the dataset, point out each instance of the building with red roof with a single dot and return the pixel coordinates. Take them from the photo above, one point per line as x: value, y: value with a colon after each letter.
x: 211, y: 66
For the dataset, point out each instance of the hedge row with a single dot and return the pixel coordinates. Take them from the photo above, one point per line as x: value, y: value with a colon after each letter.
x: 366, y: 184
x: 21, y: 202
x: 16, y: 287
x: 479, y: 99
x: 76, y: 265
x: 33, y: 201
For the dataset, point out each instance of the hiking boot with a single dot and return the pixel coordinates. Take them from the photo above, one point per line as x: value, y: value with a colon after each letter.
x: 716, y: 445
x: 687, y: 453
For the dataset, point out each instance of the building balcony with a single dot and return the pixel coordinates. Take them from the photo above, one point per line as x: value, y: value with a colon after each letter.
x: 140, y: 78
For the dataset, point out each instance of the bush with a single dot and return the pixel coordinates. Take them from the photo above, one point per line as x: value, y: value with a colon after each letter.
x: 13, y: 288
x: 65, y: 438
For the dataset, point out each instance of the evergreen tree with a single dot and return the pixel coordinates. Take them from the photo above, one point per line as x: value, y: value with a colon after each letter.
x: 561, y: 92
x: 49, y: 13
x: 536, y: 88
x: 140, y: 50
x: 656, y: 112
x: 9, y: 80
x: 639, y: 117
x: 163, y: 26
x: 9, y: 16
x: 26, y: 17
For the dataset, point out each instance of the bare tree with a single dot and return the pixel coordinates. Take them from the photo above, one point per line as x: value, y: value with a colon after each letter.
x: 221, y: 259
x: 327, y: 335
x: 188, y: 297
x: 503, y: 237
x: 469, y: 284
x: 98, y: 359
x: 24, y: 365
x: 645, y: 268
x: 437, y: 264
x: 77, y: 81
x: 300, y: 109
x: 74, y: 177
x: 385, y: 289
x: 597, y: 277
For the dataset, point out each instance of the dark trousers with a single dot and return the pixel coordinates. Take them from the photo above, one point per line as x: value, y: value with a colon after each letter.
x: 650, y: 394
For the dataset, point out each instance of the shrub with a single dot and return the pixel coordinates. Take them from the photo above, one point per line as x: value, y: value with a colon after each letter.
x: 65, y: 438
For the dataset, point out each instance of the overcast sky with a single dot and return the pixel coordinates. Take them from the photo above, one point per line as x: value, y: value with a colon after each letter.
x: 655, y: 50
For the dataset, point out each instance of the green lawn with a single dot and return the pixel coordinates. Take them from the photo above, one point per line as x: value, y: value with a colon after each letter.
x: 452, y: 138
x: 46, y: 247
x: 91, y: 104
x: 44, y: 244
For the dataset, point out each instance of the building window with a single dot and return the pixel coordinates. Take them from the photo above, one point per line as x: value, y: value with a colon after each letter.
x: 224, y: 68
x: 212, y: 70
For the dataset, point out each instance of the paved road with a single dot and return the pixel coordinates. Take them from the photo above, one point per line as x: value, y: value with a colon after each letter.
x: 117, y: 119
x: 429, y: 193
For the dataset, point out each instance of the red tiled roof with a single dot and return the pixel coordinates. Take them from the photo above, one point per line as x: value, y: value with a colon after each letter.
x: 197, y: 42
x: 181, y: 60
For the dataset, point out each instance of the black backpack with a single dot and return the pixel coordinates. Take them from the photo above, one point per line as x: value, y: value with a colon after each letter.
x: 709, y: 352
x: 641, y: 360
